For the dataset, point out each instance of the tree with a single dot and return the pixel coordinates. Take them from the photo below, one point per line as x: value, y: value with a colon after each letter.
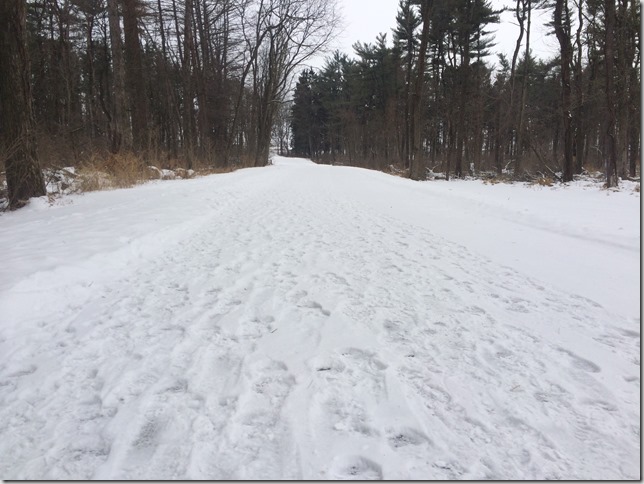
x: 202, y: 81
x: 407, y: 22
x: 135, y: 75
x: 526, y: 12
x: 302, y: 114
x: 24, y: 178
x: 610, y: 144
x: 282, y: 128
x: 562, y: 30
x: 120, y: 135
x: 417, y: 161
x: 188, y: 90
x: 578, y: 112
x: 288, y: 33
x: 471, y: 17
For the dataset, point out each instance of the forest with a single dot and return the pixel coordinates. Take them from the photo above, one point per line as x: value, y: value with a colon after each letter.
x: 433, y: 101
x: 192, y: 83
x: 213, y: 83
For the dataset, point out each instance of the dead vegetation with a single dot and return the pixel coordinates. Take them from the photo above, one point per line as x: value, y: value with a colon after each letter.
x: 126, y: 170
x: 544, y: 181
x: 106, y: 171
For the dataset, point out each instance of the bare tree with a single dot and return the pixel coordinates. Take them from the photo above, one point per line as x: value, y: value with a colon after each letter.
x: 188, y: 89
x: 287, y: 34
x: 24, y: 178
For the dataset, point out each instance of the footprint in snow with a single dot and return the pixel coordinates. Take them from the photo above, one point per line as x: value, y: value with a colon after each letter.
x: 178, y: 386
x: 397, y: 332
x: 148, y: 433
x: 599, y: 404
x: 298, y: 296
x: 256, y: 327
x: 23, y: 372
x: 318, y: 306
x: 630, y: 334
x: 271, y: 378
x: 581, y: 363
x: 364, y: 359
x: 355, y: 467
x: 421, y: 385
x: 337, y: 279
x: 405, y: 436
x: 585, y: 300
x: 327, y: 365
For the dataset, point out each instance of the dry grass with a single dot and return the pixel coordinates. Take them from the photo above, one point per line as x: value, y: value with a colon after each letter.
x: 125, y: 170
x: 112, y: 171
x: 496, y: 179
x: 72, y: 163
x: 544, y: 181
x: 397, y: 170
x: 215, y: 171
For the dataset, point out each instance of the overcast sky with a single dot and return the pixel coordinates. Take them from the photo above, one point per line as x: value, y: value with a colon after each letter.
x: 365, y: 19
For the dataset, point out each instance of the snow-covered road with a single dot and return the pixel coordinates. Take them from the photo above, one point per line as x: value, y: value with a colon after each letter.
x: 313, y: 322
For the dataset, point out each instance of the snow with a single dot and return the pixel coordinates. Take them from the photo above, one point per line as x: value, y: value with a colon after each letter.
x: 316, y: 322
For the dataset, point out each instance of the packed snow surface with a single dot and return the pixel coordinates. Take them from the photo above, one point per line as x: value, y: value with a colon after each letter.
x: 314, y: 322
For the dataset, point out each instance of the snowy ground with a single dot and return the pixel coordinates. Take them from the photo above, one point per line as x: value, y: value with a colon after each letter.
x: 313, y: 322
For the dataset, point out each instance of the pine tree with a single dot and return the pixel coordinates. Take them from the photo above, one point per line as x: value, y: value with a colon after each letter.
x: 406, y: 40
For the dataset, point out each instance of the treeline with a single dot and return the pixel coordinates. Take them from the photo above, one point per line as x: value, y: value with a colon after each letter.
x: 431, y: 100
x: 190, y: 80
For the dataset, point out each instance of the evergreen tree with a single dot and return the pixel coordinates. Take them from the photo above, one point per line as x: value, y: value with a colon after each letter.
x: 406, y: 42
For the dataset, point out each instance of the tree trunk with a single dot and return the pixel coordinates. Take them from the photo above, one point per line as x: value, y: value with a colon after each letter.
x: 135, y: 75
x: 464, y: 102
x: 90, y: 77
x: 24, y: 178
x: 562, y: 30
x: 169, y: 105
x: 265, y: 114
x: 188, y: 91
x: 417, y: 161
x: 622, y: 85
x: 610, y: 145
x: 634, y: 93
x: 119, y: 132
x: 579, y: 95
x: 518, y: 167
x: 407, y: 135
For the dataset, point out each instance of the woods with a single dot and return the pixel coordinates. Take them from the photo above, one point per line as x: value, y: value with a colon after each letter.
x: 434, y: 100
x: 210, y: 83
x: 172, y: 83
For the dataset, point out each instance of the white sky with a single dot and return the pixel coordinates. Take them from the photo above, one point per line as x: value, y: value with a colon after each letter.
x: 365, y: 19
